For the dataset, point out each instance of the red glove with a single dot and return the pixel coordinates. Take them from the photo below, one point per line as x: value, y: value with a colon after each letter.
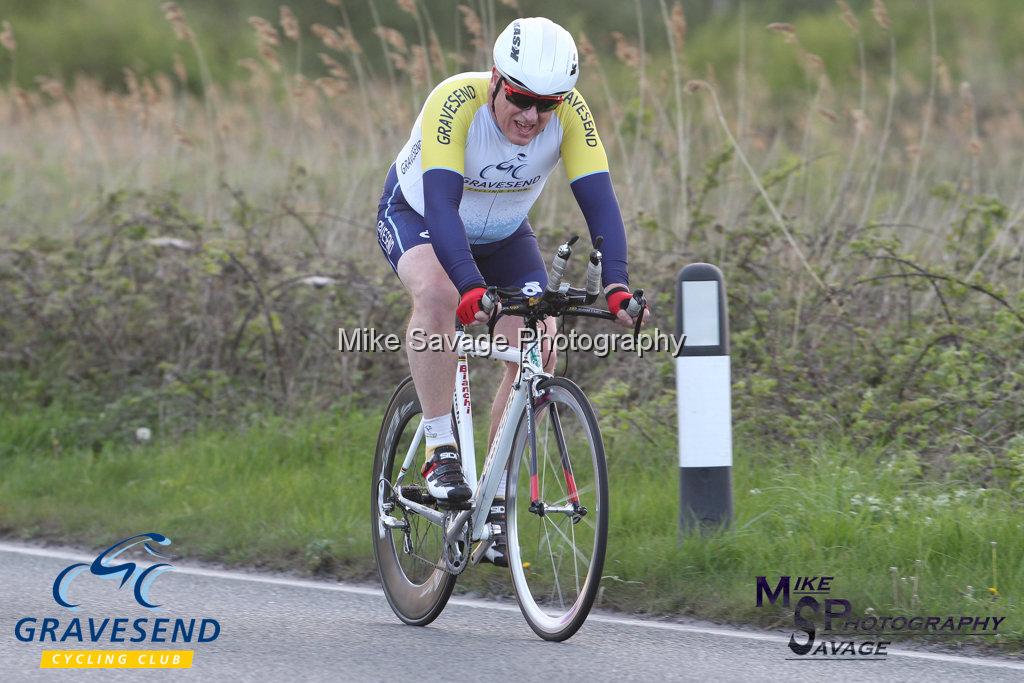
x: 618, y: 299
x: 469, y: 305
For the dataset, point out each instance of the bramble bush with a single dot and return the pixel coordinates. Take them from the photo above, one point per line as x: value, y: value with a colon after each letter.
x: 192, y: 259
x: 163, y: 319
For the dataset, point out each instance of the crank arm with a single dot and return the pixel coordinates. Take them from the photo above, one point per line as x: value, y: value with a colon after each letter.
x: 451, y: 534
x: 479, y: 550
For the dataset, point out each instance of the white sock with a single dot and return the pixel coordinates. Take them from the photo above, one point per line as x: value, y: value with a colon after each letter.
x: 438, y: 431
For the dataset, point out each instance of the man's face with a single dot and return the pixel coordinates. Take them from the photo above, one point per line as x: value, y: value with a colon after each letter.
x: 520, y: 126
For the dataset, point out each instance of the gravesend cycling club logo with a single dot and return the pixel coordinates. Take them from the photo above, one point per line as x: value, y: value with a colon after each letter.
x: 113, y: 565
x: 510, y: 175
x: 509, y: 167
x: 140, y: 581
x: 846, y: 636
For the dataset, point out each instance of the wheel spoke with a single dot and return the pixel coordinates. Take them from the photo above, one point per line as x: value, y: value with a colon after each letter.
x: 540, y: 537
x: 554, y: 570
x: 579, y: 492
x: 576, y: 550
x: 543, y: 470
x: 556, y: 469
x: 561, y: 560
x: 557, y: 475
x: 575, y: 560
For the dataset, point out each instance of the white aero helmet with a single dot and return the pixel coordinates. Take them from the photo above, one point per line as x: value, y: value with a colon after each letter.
x: 538, y: 55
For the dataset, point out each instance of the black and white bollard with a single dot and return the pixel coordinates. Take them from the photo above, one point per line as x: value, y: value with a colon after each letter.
x: 703, y: 396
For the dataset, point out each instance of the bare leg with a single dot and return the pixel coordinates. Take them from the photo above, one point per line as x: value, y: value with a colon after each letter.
x: 434, y: 300
x: 509, y: 327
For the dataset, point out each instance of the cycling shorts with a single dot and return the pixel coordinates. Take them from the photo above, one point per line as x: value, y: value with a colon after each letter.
x: 514, y: 261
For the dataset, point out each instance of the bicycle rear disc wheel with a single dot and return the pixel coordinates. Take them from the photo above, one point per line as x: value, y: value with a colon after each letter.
x: 556, y: 550
x: 415, y: 582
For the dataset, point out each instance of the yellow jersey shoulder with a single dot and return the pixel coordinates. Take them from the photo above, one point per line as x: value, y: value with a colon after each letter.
x: 447, y: 115
x: 582, y: 150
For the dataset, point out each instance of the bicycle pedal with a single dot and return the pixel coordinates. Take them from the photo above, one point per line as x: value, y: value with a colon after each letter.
x: 451, y: 505
x: 418, y: 494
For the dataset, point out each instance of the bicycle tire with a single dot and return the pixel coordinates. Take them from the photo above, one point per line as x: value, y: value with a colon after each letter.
x: 545, y: 612
x: 416, y: 603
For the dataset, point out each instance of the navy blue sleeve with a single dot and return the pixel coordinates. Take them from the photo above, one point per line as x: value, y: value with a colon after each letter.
x: 442, y: 193
x: 596, y: 197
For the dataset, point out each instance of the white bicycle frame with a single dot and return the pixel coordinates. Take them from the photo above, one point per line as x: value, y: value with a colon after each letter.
x: 531, y: 368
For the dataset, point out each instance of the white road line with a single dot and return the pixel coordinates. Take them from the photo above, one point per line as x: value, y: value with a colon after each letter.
x: 18, y: 549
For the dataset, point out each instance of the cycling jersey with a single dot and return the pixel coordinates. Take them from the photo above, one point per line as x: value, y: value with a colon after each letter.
x: 473, y: 186
x: 514, y: 261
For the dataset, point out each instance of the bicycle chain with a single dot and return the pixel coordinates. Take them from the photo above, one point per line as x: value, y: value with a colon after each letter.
x: 446, y: 551
x: 448, y: 566
x: 430, y: 563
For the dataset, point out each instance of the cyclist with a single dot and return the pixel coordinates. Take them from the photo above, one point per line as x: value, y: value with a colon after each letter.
x: 453, y: 215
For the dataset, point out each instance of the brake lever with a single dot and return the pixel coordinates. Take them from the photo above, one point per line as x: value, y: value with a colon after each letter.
x: 489, y: 298
x: 593, y: 286
x: 635, y: 309
x: 490, y: 301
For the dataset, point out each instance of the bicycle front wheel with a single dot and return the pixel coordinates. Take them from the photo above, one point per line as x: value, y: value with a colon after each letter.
x: 557, y: 510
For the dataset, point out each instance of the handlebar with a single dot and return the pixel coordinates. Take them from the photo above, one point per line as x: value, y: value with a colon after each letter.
x: 559, y: 298
x: 566, y: 301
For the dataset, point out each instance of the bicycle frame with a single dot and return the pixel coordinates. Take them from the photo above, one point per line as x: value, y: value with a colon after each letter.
x: 531, y: 369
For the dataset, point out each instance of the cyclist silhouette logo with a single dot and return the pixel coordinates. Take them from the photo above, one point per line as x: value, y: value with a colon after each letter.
x: 508, y: 167
x: 104, y: 568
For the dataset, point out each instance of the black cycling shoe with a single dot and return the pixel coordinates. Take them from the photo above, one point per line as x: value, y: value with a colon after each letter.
x: 443, y: 474
x: 497, y: 554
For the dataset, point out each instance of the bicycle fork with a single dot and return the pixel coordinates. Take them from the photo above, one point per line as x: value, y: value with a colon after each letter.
x: 537, y: 506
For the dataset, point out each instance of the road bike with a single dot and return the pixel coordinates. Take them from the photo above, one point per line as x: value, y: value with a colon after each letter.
x: 556, y: 491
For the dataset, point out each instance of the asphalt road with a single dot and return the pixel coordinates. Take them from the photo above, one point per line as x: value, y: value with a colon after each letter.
x: 274, y: 627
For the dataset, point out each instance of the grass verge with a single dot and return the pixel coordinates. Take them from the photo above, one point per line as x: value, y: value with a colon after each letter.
x: 293, y: 494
